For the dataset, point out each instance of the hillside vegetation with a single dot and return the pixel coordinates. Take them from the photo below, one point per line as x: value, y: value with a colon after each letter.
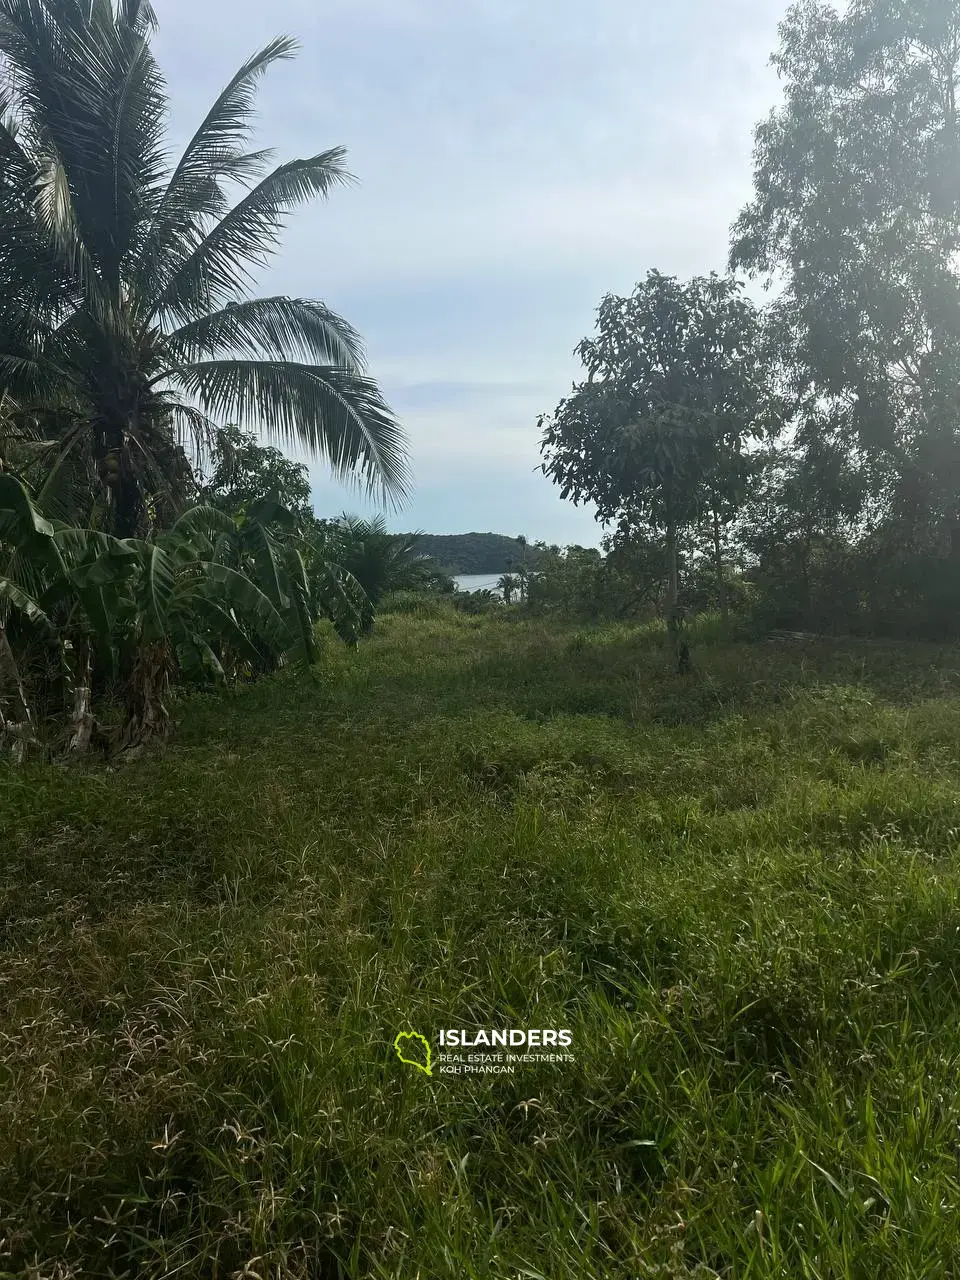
x: 457, y: 553
x: 738, y: 889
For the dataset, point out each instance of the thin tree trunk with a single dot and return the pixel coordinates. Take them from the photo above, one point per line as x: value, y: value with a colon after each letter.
x: 673, y: 592
x: 81, y: 722
x: 718, y: 564
x: 19, y: 724
x: 805, y: 577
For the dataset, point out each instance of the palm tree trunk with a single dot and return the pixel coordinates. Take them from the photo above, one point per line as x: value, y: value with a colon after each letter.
x: 673, y: 591
x: 113, y: 464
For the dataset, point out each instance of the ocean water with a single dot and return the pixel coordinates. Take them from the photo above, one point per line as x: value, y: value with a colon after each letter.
x: 477, y: 581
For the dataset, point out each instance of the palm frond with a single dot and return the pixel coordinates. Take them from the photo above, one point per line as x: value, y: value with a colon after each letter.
x: 135, y: 179
x: 220, y: 267
x: 91, y: 102
x: 57, y: 218
x: 278, y: 328
x: 216, y: 151
x: 138, y: 15
x: 333, y: 412
x: 64, y: 485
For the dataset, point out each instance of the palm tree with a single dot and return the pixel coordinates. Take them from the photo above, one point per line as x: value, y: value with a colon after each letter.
x: 127, y: 321
x: 507, y: 584
x: 380, y: 561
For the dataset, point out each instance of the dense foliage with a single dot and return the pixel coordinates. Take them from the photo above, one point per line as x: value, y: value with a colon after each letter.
x: 139, y: 535
x: 811, y: 450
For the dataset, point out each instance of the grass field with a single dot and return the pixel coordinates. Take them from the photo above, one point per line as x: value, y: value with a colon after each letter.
x: 740, y: 891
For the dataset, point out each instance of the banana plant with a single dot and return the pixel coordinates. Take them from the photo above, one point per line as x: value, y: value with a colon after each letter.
x: 196, y: 603
x: 206, y: 594
x: 60, y: 590
x: 304, y: 576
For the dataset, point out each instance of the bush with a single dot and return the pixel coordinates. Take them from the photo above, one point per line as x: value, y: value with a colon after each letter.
x: 416, y: 604
x: 477, y: 602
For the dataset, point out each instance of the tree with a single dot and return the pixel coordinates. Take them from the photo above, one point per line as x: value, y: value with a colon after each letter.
x: 677, y: 383
x: 127, y: 320
x: 380, y: 561
x: 243, y: 471
x: 636, y: 557
x: 507, y: 584
x: 807, y: 511
x: 857, y: 213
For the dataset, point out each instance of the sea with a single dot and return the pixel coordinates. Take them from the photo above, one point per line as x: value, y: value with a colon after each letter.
x: 478, y: 581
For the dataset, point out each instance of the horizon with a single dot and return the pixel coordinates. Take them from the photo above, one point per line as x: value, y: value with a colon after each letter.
x: 514, y: 165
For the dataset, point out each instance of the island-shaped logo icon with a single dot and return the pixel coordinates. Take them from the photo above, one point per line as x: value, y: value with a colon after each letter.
x: 413, y: 1049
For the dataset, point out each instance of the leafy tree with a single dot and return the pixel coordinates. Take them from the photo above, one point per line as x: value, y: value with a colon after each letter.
x: 805, y: 517
x: 243, y: 471
x: 677, y: 383
x: 127, y: 320
x: 857, y: 214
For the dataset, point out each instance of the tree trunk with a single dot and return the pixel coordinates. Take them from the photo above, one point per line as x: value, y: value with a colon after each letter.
x: 805, y: 577
x: 18, y: 725
x: 81, y: 722
x: 146, y: 713
x: 673, y: 596
x: 718, y: 564
x: 112, y: 455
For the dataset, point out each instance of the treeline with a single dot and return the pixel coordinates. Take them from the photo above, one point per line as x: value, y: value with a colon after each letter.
x: 800, y: 459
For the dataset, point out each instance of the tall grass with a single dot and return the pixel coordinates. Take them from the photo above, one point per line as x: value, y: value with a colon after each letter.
x: 739, y: 890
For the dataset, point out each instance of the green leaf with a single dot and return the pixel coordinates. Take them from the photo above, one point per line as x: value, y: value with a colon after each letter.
x: 266, y: 559
x: 300, y: 590
x: 25, y: 604
x: 19, y: 516
x: 248, y: 600
x: 155, y: 586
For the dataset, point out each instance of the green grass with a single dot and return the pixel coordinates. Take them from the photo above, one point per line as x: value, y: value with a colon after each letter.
x: 740, y: 890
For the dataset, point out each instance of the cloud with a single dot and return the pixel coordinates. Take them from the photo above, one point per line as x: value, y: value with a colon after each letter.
x: 516, y: 160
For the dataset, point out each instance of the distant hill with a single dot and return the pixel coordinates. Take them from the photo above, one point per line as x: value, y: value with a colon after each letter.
x: 457, y: 553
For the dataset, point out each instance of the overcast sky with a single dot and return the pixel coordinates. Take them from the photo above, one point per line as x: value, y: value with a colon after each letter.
x: 517, y: 160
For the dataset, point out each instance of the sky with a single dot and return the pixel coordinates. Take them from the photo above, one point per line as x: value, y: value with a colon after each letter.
x: 516, y: 160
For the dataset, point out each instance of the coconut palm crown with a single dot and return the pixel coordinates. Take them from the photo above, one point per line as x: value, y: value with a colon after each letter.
x: 128, y: 327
